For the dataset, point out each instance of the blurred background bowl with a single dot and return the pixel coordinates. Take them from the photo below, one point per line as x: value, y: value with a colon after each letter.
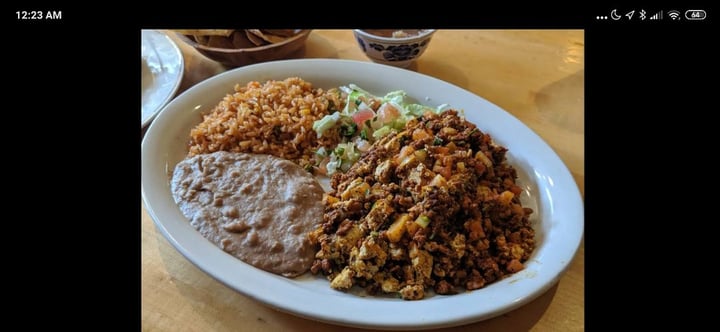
x: 236, y: 57
x: 400, y: 50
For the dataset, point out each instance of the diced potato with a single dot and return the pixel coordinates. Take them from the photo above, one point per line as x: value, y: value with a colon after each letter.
x: 445, y: 170
x: 356, y: 189
x: 412, y: 292
x: 394, y: 143
x: 379, y: 213
x: 516, y: 251
x: 383, y: 171
x: 343, y: 280
x: 416, y: 174
x: 390, y: 285
x: 422, y: 263
x: 397, y: 253
x: 420, y: 154
x: 438, y: 181
x: 424, y: 192
x: 484, y: 159
x: 350, y: 239
x: 514, y: 266
x: 377, y: 189
x: 449, y: 131
x: 396, y: 230
x: 405, y: 151
x: 330, y: 200
x: 451, y: 147
x: 458, y: 245
x: 412, y: 227
x: 407, y: 161
x: 506, y: 197
x: 420, y: 134
x: 314, y: 236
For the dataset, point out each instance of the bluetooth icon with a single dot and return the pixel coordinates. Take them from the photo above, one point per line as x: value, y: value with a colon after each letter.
x: 642, y: 14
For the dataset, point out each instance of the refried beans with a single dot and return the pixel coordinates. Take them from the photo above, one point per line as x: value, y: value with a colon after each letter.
x: 255, y: 207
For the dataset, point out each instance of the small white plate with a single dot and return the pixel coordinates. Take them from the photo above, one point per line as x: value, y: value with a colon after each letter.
x: 550, y: 191
x: 162, y: 72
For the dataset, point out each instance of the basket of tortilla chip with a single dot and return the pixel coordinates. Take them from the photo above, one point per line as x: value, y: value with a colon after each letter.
x: 236, y: 48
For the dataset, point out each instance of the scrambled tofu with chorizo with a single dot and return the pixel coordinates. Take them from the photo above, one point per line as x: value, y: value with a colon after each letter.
x: 434, y: 206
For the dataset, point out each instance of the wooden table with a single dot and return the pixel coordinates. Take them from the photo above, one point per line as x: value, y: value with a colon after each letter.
x: 538, y: 76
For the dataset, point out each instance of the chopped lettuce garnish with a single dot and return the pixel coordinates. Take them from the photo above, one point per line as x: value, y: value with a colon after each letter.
x: 348, y: 130
x: 344, y: 155
x: 382, y: 132
x: 321, y: 152
x: 360, y: 125
x: 327, y: 122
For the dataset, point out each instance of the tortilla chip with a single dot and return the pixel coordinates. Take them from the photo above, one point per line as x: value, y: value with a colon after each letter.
x: 202, y: 40
x: 207, y: 32
x: 240, y: 40
x: 281, y: 32
x: 272, y: 39
x: 255, y: 39
x: 220, y: 42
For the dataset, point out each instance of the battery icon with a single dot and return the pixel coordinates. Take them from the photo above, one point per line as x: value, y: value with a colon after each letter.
x: 695, y: 14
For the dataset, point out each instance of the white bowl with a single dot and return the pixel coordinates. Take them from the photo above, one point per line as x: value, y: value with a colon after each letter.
x: 549, y: 190
x: 162, y: 68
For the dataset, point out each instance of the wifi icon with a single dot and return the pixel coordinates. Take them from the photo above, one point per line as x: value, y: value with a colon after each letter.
x: 674, y: 14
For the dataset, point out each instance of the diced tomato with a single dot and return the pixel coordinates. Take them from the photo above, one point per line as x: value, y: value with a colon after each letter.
x: 360, y: 116
x: 387, y: 113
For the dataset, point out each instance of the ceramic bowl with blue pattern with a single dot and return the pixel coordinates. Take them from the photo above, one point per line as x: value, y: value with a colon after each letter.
x: 396, y: 47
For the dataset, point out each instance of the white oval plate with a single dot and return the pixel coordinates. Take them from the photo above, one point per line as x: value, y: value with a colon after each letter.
x: 162, y: 71
x: 549, y: 189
